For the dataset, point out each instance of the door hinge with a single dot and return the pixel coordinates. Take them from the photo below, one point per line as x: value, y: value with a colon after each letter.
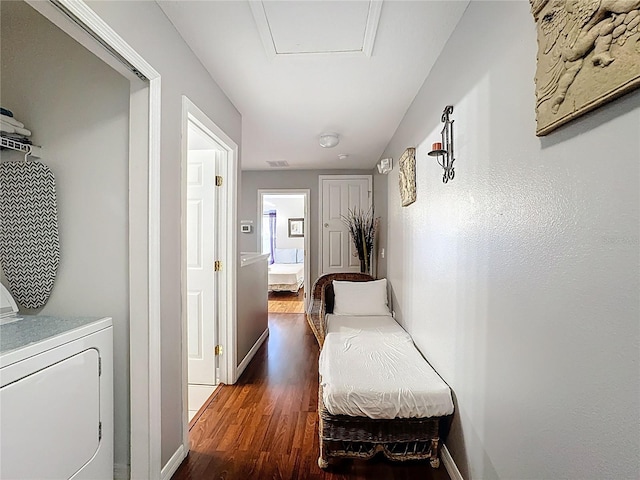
x: 218, y: 181
x: 218, y: 350
x: 99, y: 366
x: 99, y: 431
x: 217, y: 266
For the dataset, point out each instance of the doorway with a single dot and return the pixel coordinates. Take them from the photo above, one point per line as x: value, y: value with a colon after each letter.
x: 143, y: 324
x: 208, y: 260
x: 203, y: 158
x: 283, y: 233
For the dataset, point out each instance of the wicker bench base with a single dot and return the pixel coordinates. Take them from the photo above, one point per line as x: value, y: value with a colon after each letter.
x: 399, y: 439
x: 392, y: 451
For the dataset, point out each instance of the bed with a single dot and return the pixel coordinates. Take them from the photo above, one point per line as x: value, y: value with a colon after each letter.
x: 286, y: 274
x: 387, y: 408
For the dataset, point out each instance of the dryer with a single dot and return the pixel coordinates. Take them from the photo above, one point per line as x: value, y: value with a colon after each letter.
x: 56, y: 398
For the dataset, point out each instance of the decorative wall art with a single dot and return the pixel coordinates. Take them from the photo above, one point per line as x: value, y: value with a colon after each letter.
x: 443, y: 150
x: 408, y: 177
x: 296, y: 227
x: 588, y: 54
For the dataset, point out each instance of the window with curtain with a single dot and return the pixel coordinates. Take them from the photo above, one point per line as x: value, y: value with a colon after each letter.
x: 269, y: 234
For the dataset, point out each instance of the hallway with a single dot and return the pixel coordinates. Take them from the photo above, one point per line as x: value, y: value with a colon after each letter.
x: 286, y: 302
x: 265, y: 426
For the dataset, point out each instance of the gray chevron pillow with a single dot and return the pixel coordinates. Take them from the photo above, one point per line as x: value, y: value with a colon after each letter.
x: 29, y: 244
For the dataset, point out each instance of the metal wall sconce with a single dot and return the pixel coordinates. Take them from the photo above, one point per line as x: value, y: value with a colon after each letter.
x: 385, y: 165
x: 444, y: 151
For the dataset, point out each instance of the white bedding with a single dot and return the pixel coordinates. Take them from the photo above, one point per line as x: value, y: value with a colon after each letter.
x: 286, y: 276
x: 370, y: 367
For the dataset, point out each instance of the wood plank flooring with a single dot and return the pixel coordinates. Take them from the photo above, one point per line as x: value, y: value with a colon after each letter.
x: 266, y: 427
x: 286, y: 302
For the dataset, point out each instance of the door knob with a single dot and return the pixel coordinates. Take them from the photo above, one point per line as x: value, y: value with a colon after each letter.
x: 326, y: 225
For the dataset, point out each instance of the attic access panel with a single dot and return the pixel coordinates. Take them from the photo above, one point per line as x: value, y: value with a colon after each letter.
x: 295, y: 28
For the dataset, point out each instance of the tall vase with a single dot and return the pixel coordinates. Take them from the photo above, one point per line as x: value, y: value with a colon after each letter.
x: 363, y: 266
x: 364, y: 255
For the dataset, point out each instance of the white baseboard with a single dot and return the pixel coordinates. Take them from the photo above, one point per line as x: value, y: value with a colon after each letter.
x: 121, y: 472
x: 449, y: 464
x: 174, y: 462
x: 245, y: 361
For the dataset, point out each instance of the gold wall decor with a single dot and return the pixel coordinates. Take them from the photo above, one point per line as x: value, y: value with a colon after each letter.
x: 408, y: 177
x: 588, y: 54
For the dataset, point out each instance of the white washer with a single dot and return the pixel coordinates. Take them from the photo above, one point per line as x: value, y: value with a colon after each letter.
x: 56, y: 398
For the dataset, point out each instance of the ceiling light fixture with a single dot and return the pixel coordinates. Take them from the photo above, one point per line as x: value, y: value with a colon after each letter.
x: 343, y: 156
x: 329, y: 140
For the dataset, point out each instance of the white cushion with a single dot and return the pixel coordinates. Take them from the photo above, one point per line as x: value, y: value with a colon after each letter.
x: 376, y: 371
x: 360, y: 298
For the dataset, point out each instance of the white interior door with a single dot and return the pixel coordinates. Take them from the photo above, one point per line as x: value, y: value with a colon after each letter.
x: 339, y: 194
x: 201, y: 288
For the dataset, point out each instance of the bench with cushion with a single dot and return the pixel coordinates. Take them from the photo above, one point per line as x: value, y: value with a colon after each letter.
x: 377, y: 393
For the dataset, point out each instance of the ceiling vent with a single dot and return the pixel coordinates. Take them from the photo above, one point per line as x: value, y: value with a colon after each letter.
x: 278, y: 163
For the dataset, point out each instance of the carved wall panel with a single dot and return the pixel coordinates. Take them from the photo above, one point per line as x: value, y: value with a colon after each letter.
x: 588, y: 54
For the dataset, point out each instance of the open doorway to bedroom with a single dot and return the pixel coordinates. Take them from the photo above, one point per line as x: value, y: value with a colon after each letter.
x: 283, y: 233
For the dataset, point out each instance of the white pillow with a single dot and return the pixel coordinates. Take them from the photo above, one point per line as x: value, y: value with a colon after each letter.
x: 285, y: 255
x: 360, y: 298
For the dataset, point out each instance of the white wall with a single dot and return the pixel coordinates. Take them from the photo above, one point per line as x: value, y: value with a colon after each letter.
x: 520, y: 279
x: 253, y: 318
x: 78, y: 109
x: 144, y: 26
x: 286, y: 208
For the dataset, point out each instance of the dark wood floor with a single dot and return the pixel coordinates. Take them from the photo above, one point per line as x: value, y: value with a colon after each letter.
x: 265, y: 426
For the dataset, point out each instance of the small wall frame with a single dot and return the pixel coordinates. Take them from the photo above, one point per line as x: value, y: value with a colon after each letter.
x: 296, y: 227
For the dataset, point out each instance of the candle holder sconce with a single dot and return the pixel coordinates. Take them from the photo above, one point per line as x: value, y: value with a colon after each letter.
x: 444, y: 151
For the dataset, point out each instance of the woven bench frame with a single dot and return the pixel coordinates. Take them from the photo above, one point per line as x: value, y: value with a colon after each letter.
x: 398, y: 439
x: 343, y: 436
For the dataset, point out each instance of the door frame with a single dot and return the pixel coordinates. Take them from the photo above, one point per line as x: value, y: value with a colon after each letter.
x: 226, y: 233
x: 321, y: 178
x: 307, y: 244
x: 79, y: 21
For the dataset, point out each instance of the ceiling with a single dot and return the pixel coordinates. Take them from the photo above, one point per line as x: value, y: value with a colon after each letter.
x: 297, y: 69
